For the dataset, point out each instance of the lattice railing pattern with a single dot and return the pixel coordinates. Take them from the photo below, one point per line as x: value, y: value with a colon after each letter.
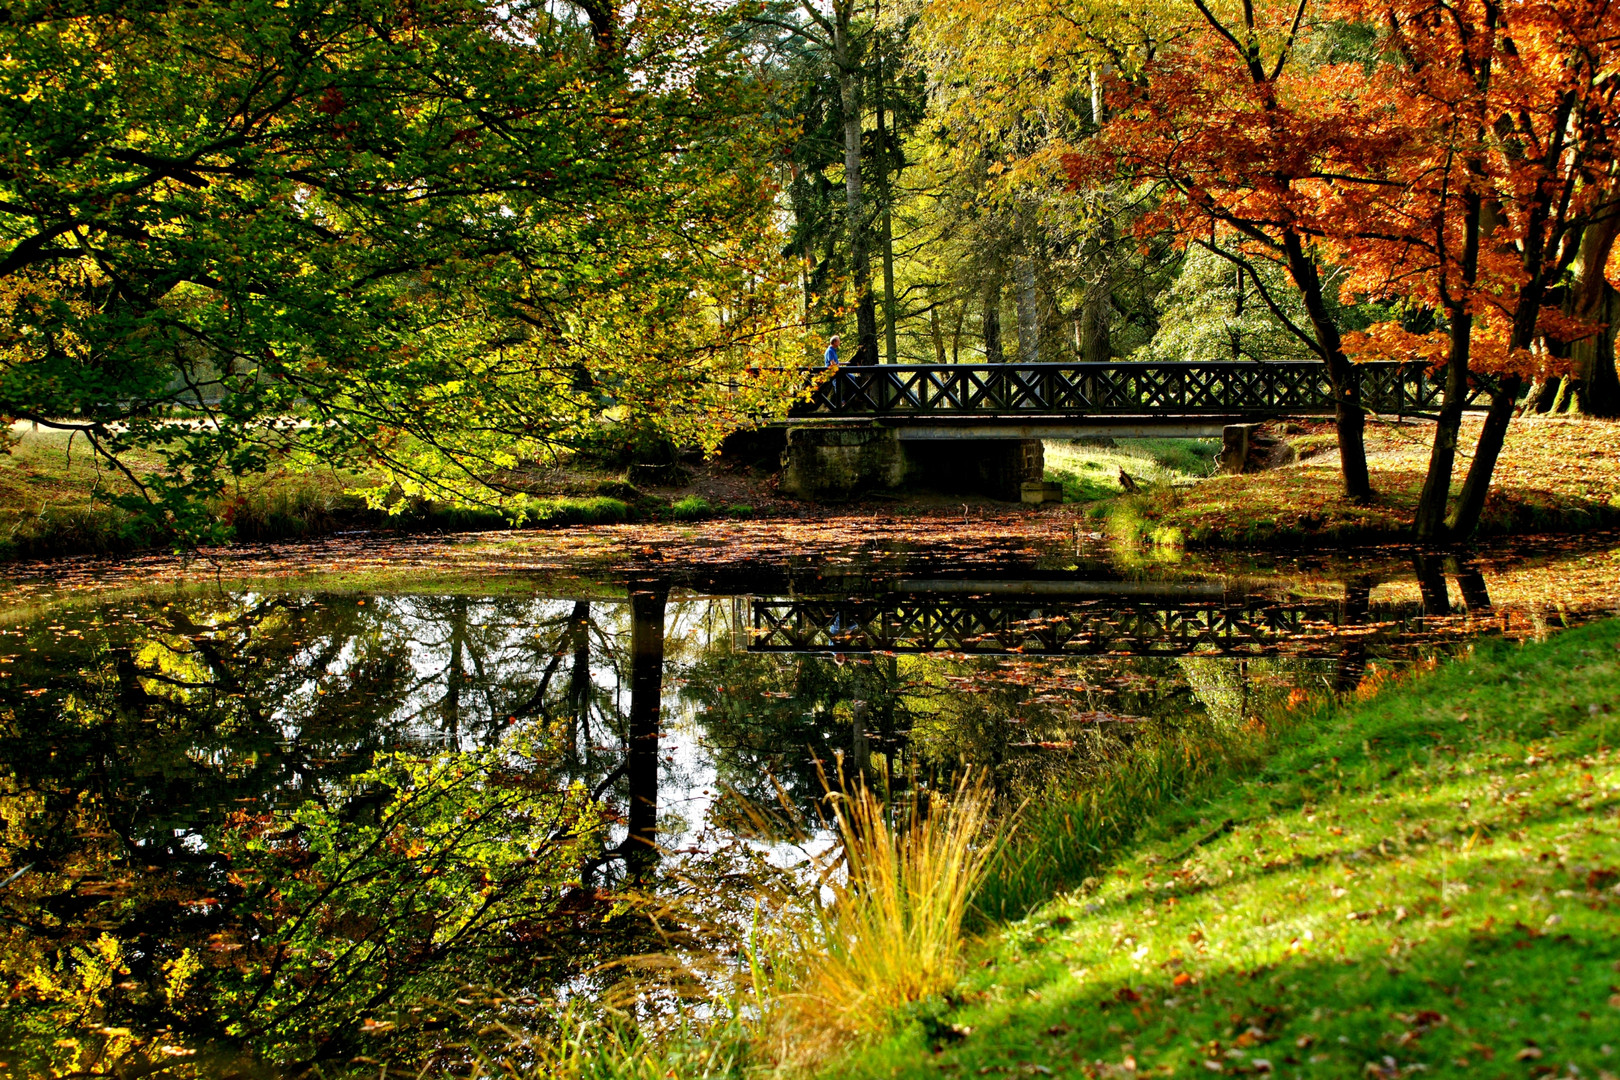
x: 1140, y: 627
x: 1216, y: 388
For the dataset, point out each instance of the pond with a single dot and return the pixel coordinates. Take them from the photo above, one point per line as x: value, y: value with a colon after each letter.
x: 278, y: 814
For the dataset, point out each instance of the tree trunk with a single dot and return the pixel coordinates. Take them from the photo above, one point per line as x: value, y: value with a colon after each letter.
x: 1471, y: 502
x: 1594, y: 301
x: 1350, y: 417
x: 1029, y: 316
x: 1430, y: 520
x: 1542, y: 395
x: 956, y: 332
x: 886, y: 193
x: 1097, y: 313
x: 937, y: 332
x: 849, y: 100
x: 1095, y: 344
x: 1237, y: 316
x: 992, y: 321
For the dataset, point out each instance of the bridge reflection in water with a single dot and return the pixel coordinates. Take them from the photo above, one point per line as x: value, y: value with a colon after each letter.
x: 1071, y: 619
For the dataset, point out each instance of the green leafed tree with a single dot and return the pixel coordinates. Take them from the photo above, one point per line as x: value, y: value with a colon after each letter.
x: 434, y: 239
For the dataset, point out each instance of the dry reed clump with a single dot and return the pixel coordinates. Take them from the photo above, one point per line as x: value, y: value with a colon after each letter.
x: 886, y: 926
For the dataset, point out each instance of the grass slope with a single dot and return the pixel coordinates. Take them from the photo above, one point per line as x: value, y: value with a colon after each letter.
x: 1423, y: 880
x: 1555, y: 474
x: 1089, y: 472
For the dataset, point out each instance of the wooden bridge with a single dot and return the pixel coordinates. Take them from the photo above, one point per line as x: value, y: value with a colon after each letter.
x: 1057, y: 400
x: 881, y: 426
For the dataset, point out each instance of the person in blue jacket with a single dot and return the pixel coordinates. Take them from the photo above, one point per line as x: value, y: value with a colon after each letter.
x: 832, y: 351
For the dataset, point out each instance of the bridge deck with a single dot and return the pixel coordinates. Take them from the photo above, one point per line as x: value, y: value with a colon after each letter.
x: 1138, y: 397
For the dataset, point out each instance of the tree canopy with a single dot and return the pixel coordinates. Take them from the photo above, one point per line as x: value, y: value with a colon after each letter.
x: 439, y: 238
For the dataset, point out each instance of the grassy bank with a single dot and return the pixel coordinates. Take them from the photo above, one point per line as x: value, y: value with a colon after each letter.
x: 1091, y: 470
x: 1422, y: 879
x: 1555, y: 474
x: 53, y: 501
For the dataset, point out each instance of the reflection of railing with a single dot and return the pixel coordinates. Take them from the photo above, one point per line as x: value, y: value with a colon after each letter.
x: 1141, y: 626
x: 1182, y: 388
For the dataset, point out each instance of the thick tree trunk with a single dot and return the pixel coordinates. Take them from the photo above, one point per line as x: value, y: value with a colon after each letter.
x: 1594, y: 301
x: 1471, y: 502
x: 1095, y: 344
x: 1542, y: 395
x: 1350, y: 417
x: 937, y: 333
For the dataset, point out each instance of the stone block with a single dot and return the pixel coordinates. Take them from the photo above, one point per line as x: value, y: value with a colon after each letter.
x: 1042, y: 491
x: 1235, y: 446
x: 837, y: 462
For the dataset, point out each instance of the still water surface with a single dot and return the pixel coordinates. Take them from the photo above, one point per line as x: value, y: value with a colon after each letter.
x: 278, y: 827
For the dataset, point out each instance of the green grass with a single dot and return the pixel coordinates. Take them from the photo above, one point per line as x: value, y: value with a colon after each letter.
x: 692, y: 508
x: 1089, y: 473
x: 1423, y: 879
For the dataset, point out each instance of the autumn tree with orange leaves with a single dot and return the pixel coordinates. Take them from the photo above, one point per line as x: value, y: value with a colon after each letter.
x: 1478, y: 172
x: 1449, y: 157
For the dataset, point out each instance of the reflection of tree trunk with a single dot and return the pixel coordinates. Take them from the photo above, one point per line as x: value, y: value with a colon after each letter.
x: 1353, y: 656
x: 641, y: 736
x: 859, y: 751
x: 456, y: 678
x: 1432, y: 584
x: 1476, y: 597
x: 579, y: 678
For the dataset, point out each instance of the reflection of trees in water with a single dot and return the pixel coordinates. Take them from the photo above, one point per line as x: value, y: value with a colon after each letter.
x: 212, y: 783
x: 771, y: 718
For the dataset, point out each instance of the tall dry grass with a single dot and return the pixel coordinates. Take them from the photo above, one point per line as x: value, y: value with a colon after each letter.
x: 886, y: 929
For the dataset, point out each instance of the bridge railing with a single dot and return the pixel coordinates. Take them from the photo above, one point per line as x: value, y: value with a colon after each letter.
x: 1124, y: 388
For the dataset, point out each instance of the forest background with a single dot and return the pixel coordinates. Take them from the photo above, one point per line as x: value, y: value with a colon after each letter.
x: 438, y: 241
